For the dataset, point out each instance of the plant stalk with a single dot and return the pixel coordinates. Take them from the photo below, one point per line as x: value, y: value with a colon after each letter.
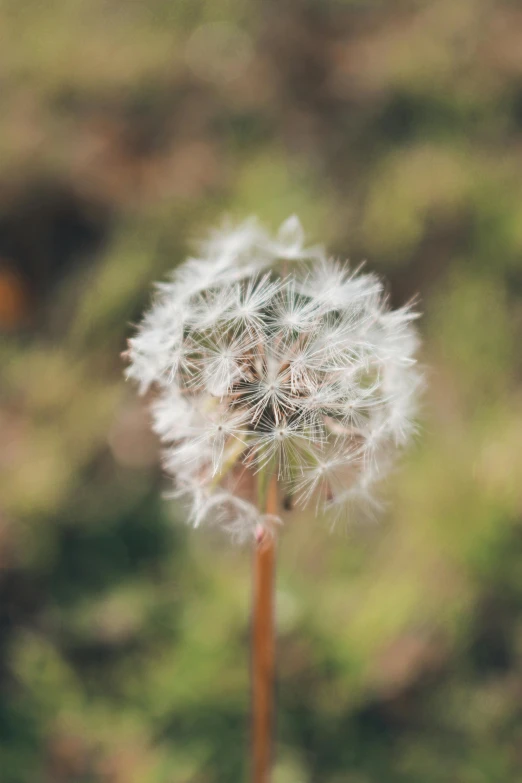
x: 263, y: 645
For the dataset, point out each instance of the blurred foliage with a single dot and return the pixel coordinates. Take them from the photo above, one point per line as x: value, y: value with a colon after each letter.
x: 394, y: 129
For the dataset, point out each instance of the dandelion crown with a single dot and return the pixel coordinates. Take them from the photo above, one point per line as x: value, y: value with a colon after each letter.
x: 270, y: 359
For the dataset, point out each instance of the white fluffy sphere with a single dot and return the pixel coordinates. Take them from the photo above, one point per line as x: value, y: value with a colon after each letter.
x: 270, y: 359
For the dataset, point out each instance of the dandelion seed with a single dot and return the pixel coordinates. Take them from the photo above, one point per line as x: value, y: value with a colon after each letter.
x: 221, y: 362
x: 329, y: 475
x: 286, y: 443
x: 291, y: 313
x: 250, y: 302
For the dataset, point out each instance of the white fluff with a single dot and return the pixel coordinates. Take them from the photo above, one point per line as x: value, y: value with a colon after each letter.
x: 269, y: 358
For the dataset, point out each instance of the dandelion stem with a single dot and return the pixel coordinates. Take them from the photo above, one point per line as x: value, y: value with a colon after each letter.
x: 263, y: 644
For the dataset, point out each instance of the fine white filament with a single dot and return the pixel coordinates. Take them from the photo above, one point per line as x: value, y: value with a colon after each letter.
x: 268, y: 357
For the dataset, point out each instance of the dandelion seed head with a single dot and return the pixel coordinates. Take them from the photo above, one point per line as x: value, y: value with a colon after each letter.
x: 269, y: 358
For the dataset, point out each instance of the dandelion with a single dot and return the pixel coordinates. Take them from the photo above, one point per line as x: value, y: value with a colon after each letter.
x: 291, y: 352
x: 277, y: 372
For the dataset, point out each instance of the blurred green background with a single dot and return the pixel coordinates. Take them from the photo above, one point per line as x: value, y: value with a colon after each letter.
x: 394, y: 130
